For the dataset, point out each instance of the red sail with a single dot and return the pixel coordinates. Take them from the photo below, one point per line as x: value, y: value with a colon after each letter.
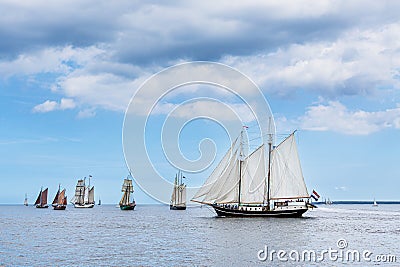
x: 55, y: 201
x: 44, y: 197
x: 61, y: 197
x: 65, y: 201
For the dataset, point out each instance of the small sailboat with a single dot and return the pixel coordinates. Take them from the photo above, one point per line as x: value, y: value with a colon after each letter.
x: 245, y: 186
x: 84, y: 195
x: 26, y: 200
x: 178, y: 198
x: 99, y: 202
x: 127, y: 189
x: 41, y: 201
x: 60, y: 200
x: 375, y: 204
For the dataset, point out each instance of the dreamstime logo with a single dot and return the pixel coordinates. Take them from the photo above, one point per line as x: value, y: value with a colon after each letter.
x: 342, y: 253
x: 174, y: 99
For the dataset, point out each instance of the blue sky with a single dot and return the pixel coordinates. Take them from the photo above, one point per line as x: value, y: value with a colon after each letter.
x: 68, y: 70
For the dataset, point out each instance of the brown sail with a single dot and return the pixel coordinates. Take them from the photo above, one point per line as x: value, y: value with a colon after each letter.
x: 41, y: 201
x: 55, y: 201
x: 60, y: 201
x: 38, y: 198
x: 44, y: 197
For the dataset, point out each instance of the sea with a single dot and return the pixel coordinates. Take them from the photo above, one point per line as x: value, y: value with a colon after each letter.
x: 153, y: 235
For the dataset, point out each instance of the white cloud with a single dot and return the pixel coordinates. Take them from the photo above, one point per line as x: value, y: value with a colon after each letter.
x: 86, y: 113
x: 358, y: 62
x: 48, y: 105
x: 341, y: 188
x: 338, y: 118
x: 221, y: 111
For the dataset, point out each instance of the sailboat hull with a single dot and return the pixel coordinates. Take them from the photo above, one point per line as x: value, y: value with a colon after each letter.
x: 127, y: 207
x: 84, y: 205
x: 42, y: 206
x: 59, y: 207
x: 172, y: 207
x: 254, y: 212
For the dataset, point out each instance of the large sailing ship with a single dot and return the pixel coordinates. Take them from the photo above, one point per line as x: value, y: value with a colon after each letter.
x: 127, y: 189
x: 41, y: 201
x: 84, y: 195
x: 60, y: 200
x: 253, y: 186
x: 178, y: 198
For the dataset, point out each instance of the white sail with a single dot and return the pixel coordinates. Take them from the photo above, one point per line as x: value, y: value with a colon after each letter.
x: 286, y: 175
x: 226, y: 188
x: 217, y: 173
x: 253, y: 182
x: 79, y: 193
x: 91, y: 195
x: 182, y: 190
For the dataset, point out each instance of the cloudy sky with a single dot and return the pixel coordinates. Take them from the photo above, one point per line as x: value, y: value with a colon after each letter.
x: 68, y: 69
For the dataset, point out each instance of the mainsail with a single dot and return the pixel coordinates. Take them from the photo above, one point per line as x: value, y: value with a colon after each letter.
x: 62, y: 198
x: 253, y: 182
x: 91, y: 195
x: 287, y: 179
x: 243, y: 180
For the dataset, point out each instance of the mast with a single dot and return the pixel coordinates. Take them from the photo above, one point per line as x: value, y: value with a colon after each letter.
x: 177, y: 188
x: 269, y: 163
x: 240, y: 165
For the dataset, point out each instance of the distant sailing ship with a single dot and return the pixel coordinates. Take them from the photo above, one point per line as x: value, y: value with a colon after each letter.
x: 375, y: 204
x: 41, y: 201
x: 328, y: 202
x: 127, y: 189
x: 99, y: 202
x: 248, y: 186
x: 26, y: 200
x: 84, y: 195
x: 60, y: 200
x: 178, y: 198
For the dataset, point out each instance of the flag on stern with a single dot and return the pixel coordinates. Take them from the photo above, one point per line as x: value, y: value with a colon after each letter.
x: 315, y: 195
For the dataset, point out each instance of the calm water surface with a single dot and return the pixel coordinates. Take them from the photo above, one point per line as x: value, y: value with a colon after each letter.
x: 156, y: 236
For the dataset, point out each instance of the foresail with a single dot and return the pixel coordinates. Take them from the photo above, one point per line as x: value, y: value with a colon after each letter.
x: 226, y: 188
x: 173, y: 197
x: 38, y: 198
x: 216, y: 174
x: 253, y: 182
x: 56, y: 197
x: 286, y: 175
x: 124, y: 199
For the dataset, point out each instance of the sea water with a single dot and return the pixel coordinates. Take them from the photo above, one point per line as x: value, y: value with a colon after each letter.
x: 153, y: 235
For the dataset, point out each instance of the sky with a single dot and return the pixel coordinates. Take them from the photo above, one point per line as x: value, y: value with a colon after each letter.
x: 68, y: 70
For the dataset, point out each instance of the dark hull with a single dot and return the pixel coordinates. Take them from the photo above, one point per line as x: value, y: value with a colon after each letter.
x: 226, y: 212
x: 127, y: 207
x: 42, y: 207
x: 59, y: 207
x: 171, y: 207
